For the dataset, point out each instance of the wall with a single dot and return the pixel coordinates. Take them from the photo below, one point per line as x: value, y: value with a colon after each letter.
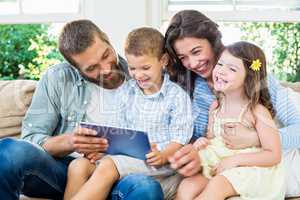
x: 117, y: 18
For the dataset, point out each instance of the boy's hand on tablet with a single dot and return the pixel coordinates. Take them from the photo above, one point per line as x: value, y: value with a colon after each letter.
x: 155, y: 157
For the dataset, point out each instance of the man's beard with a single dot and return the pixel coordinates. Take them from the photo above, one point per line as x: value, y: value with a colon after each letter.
x: 103, y: 81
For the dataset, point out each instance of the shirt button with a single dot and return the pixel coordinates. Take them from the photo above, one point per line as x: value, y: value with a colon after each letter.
x: 85, y: 102
x: 30, y: 125
x: 69, y: 118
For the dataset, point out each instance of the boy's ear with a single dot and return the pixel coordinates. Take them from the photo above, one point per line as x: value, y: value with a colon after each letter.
x: 164, y: 59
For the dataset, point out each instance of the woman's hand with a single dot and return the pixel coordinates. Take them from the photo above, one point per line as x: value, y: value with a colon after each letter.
x: 238, y: 136
x: 186, y: 161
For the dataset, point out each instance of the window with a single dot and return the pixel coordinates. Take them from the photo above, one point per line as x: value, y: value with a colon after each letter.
x: 28, y: 34
x: 239, y: 10
x: 272, y: 24
x: 40, y: 11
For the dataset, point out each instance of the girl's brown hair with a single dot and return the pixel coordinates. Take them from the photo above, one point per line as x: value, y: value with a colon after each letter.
x: 256, y: 85
x: 190, y: 23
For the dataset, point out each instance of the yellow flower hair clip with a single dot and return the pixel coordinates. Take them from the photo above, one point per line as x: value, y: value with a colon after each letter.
x: 256, y: 65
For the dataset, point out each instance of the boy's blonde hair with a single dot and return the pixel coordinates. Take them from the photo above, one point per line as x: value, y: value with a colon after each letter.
x: 145, y: 41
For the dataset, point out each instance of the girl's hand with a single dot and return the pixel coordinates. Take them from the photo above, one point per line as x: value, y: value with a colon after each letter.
x: 155, y: 157
x: 225, y: 164
x: 201, y: 143
x: 94, y: 156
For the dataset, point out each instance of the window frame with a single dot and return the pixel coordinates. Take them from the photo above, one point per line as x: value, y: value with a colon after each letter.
x: 241, y: 16
x: 22, y: 18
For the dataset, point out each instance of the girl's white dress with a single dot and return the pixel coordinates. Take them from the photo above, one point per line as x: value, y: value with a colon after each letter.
x: 252, y: 183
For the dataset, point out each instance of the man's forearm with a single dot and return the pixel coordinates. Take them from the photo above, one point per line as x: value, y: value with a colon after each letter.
x: 58, y: 146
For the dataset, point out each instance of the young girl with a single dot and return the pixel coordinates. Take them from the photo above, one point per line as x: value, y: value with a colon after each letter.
x: 242, y: 96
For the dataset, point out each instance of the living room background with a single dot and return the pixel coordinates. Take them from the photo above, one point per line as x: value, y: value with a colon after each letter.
x: 274, y: 25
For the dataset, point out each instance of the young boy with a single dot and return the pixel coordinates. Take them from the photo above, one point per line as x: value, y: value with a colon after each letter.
x: 150, y: 102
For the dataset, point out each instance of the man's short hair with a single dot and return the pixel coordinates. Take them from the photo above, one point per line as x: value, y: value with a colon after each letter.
x: 77, y: 36
x: 145, y: 41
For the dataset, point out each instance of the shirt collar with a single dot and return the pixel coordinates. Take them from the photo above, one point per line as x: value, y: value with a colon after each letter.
x: 79, y: 78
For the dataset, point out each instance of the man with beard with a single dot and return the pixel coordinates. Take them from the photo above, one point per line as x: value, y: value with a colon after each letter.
x: 82, y: 89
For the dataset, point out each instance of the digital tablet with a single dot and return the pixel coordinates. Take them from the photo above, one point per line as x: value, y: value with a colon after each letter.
x: 122, y: 141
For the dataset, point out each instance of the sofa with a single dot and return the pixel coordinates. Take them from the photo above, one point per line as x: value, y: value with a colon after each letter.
x: 15, y: 98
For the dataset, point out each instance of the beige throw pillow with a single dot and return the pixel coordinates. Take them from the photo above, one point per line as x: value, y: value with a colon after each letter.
x: 15, y: 98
